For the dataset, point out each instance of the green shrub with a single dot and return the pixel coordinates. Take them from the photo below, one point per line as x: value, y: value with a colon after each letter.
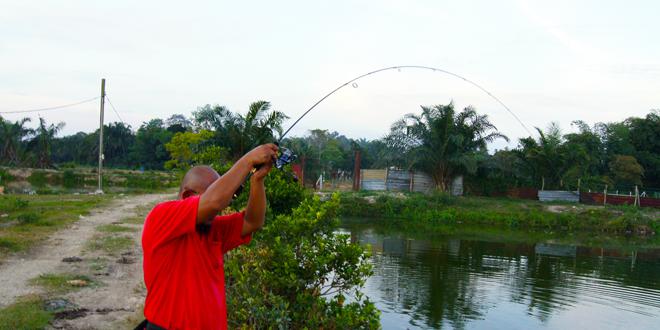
x: 68, y: 165
x: 72, y: 180
x: 20, y: 204
x: 38, y: 179
x: 282, y: 191
x: 296, y: 273
x: 5, y: 177
x: 28, y: 218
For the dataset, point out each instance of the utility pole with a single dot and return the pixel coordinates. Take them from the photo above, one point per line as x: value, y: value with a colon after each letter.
x: 100, y: 188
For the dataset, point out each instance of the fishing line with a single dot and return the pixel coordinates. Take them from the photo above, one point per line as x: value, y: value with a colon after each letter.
x: 398, y: 68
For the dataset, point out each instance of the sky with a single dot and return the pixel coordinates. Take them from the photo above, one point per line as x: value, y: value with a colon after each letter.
x: 597, y: 61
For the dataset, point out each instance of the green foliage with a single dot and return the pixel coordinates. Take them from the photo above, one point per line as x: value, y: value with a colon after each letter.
x: 626, y: 170
x: 5, y: 177
x: 441, y: 142
x: 436, y: 211
x: 184, y: 147
x: 13, y: 203
x: 38, y: 179
x: 326, y: 152
x: 149, y: 148
x: 71, y: 180
x: 297, y: 273
x: 29, y: 218
x: 41, y: 142
x: 26, y: 314
x: 282, y: 191
x: 13, y: 137
x: 237, y: 132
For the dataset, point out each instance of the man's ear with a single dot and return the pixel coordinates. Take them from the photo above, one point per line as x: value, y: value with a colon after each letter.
x: 187, y: 193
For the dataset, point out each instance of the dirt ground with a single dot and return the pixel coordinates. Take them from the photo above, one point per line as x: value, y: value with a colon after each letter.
x: 114, y: 298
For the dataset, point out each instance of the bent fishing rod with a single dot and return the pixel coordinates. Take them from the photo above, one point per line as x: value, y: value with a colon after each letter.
x: 287, y: 156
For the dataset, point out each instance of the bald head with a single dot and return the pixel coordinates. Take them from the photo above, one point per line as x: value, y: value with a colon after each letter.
x: 196, y: 180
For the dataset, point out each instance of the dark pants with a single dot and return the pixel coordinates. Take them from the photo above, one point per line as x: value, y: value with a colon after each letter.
x: 148, y: 326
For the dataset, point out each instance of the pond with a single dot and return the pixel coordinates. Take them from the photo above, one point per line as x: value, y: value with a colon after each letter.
x: 466, y: 283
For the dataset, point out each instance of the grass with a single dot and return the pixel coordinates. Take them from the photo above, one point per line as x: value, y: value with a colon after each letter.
x: 25, y: 314
x: 110, y: 244
x: 31, y: 218
x: 58, y: 283
x: 115, y: 228
x: 436, y: 212
x: 140, y: 214
x: 138, y: 220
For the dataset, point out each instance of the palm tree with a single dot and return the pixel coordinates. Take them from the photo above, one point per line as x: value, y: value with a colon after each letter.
x: 42, y: 141
x: 441, y: 142
x: 238, y: 132
x: 544, y: 157
x: 12, y: 136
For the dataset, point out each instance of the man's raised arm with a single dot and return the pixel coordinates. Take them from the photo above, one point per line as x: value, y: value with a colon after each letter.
x: 219, y: 193
x: 255, y: 213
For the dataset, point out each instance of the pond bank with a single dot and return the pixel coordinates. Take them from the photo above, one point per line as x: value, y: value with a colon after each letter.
x: 439, y: 212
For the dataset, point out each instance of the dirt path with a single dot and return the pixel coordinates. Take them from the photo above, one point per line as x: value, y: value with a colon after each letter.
x: 117, y: 275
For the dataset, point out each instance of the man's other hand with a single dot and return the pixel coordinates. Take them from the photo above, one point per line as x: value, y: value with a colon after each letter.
x: 262, y: 155
x: 261, y: 173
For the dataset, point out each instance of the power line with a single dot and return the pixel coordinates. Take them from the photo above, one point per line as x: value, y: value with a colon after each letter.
x: 53, y: 108
x: 115, y: 110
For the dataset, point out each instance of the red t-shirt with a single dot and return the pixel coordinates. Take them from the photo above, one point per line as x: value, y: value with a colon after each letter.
x: 183, y: 269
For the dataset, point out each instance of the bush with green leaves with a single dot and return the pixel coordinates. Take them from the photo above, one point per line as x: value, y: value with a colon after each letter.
x: 298, y: 273
x: 283, y: 191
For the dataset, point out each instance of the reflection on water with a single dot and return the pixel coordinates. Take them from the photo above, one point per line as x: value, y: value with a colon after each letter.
x: 459, y: 283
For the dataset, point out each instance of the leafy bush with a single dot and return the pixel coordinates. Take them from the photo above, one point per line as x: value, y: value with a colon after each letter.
x: 430, y: 212
x: 71, y: 179
x: 38, y: 179
x: 28, y: 218
x: 298, y: 273
x: 19, y: 204
x: 5, y: 177
x: 283, y: 192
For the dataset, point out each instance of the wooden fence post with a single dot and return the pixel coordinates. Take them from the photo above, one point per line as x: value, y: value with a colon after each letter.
x: 412, y: 181
x: 637, y: 201
x: 357, y: 171
x: 605, y: 195
x: 542, y: 183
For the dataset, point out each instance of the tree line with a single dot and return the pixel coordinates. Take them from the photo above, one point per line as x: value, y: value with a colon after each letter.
x: 438, y: 140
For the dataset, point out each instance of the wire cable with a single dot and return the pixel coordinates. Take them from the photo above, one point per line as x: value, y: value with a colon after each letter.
x: 53, y: 108
x: 115, y: 110
x: 405, y: 67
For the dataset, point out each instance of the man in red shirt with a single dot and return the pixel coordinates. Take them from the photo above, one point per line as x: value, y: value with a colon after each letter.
x: 184, y: 242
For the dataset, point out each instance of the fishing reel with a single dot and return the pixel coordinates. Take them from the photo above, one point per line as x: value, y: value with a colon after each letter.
x: 286, y: 157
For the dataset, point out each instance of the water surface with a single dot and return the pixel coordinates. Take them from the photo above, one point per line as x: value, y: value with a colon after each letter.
x: 467, y: 283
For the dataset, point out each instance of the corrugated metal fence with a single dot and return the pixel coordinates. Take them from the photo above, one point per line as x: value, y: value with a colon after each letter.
x: 395, y: 180
x: 559, y: 195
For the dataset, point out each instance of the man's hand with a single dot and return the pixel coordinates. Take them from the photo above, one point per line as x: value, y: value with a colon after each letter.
x: 219, y: 194
x: 260, y: 174
x: 263, y: 154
